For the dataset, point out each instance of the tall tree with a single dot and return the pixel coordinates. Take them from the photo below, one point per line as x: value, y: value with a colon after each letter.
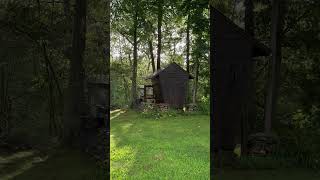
x: 160, y: 18
x: 76, y: 77
x: 128, y: 20
x: 150, y: 44
x: 199, y: 22
x: 248, y: 113
x: 195, y: 82
x: 271, y: 100
x: 248, y: 18
x: 135, y: 60
x: 107, y: 55
x: 188, y: 37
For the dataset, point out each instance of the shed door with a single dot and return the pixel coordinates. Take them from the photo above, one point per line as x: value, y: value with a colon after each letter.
x: 176, y: 95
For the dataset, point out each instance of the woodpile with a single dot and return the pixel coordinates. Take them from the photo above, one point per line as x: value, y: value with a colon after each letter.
x: 163, y: 107
x: 261, y: 144
x: 191, y: 107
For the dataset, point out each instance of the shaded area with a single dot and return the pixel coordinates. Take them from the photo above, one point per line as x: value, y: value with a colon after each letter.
x: 66, y: 164
x: 279, y: 174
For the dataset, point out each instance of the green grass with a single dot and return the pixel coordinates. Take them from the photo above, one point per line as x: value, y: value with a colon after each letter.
x: 166, y: 148
x: 67, y: 164
x: 277, y: 174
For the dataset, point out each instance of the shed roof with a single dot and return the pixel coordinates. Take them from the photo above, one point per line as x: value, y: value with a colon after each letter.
x: 175, y: 65
x: 259, y: 49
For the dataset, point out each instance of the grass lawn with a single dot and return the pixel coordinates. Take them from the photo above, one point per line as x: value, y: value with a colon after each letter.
x: 166, y: 148
x: 277, y: 174
x: 65, y: 165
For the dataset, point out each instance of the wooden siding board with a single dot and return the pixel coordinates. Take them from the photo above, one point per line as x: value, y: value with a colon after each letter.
x: 231, y: 53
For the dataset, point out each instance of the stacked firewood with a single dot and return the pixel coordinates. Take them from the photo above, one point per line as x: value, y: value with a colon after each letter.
x: 261, y: 144
x: 163, y: 106
x: 191, y: 107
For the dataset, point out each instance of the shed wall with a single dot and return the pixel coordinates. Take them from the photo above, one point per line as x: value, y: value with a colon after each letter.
x: 231, y: 55
x: 171, y: 86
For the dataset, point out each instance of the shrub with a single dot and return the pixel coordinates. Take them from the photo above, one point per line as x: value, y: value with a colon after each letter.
x: 204, y: 105
x: 150, y: 111
x: 299, y: 140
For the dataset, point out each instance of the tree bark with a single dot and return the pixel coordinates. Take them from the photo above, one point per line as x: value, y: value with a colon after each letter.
x: 248, y: 108
x: 76, y: 77
x: 134, y: 64
x: 151, y: 55
x: 188, y: 45
x: 107, y: 50
x: 273, y: 87
x: 107, y: 57
x: 188, y: 38
x: 160, y: 16
x: 195, y: 83
x: 249, y: 23
x: 67, y: 9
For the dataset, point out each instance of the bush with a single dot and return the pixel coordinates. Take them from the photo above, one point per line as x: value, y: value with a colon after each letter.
x: 150, y: 111
x: 204, y: 105
x: 299, y: 140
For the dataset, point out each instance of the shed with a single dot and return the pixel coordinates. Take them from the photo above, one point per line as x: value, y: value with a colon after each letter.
x: 97, y: 94
x: 231, y: 54
x: 170, y: 85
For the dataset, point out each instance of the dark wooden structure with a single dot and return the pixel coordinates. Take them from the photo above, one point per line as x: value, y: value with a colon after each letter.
x: 5, y: 105
x: 95, y: 131
x: 97, y: 94
x: 169, y: 85
x: 231, y: 54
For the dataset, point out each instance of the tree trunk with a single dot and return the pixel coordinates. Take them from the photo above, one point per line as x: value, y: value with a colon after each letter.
x: 249, y: 28
x: 249, y: 24
x: 188, y: 47
x: 134, y: 64
x: 248, y: 109
x: 195, y: 83
x: 160, y: 16
x: 188, y: 43
x: 54, y: 129
x: 271, y: 100
x: 125, y: 82
x: 107, y: 51
x: 76, y: 77
x: 4, y: 102
x: 188, y: 50
x: 107, y: 56
x: 151, y: 55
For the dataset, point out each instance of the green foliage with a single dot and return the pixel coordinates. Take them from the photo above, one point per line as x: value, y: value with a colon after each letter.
x: 151, y: 112
x: 204, y: 105
x: 299, y: 139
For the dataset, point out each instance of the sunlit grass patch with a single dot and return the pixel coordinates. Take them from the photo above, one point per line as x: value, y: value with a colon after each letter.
x: 116, y: 113
x: 166, y: 148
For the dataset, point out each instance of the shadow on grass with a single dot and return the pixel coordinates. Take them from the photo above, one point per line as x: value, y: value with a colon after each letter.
x: 276, y: 174
x: 65, y: 164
